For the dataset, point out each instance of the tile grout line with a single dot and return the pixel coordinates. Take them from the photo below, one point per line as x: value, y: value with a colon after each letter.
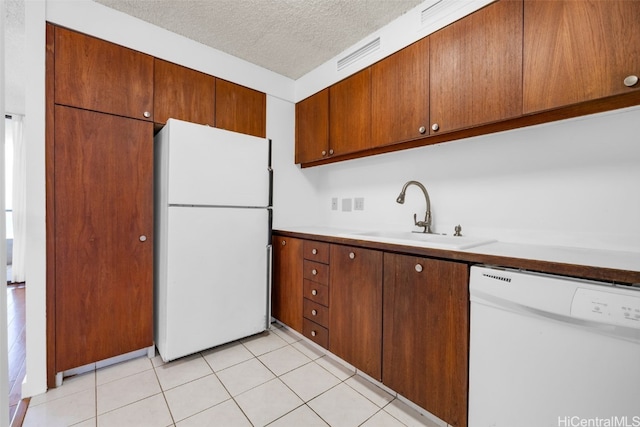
x: 231, y: 397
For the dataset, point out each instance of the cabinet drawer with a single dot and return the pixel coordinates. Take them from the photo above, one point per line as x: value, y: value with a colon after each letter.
x: 315, y: 332
x: 316, y: 272
x: 316, y: 312
x: 316, y: 292
x: 316, y: 251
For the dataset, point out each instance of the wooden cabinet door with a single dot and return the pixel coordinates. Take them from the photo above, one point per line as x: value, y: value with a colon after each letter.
x: 240, y: 109
x: 182, y: 93
x: 312, y: 128
x: 576, y: 51
x: 400, y: 95
x: 476, y: 68
x: 350, y: 114
x: 426, y: 333
x: 355, y: 307
x: 103, y: 184
x: 97, y: 75
x: 286, y: 294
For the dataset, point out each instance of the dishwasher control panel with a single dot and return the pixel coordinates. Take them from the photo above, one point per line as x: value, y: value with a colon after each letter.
x: 606, y: 307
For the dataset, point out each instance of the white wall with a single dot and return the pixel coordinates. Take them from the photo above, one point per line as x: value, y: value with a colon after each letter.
x: 569, y: 183
x: 295, y: 199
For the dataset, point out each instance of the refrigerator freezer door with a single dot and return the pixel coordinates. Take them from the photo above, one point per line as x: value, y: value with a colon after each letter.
x: 215, y: 279
x: 209, y: 166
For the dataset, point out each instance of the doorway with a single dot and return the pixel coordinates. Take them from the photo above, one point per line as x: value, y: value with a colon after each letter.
x: 16, y: 322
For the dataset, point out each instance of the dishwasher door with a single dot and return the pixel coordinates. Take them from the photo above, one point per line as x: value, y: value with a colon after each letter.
x: 547, y: 351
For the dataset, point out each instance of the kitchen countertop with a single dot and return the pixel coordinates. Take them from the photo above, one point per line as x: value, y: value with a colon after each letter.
x: 606, y: 265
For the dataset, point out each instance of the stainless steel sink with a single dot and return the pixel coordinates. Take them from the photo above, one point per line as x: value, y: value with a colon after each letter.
x: 440, y: 241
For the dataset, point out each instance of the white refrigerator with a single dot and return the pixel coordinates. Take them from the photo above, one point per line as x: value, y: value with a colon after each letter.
x: 213, y: 193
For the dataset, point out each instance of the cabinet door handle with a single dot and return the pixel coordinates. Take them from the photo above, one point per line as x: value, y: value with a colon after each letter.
x: 419, y: 268
x: 284, y: 242
x: 143, y: 238
x: 324, y: 153
x: 314, y: 272
x: 314, y: 292
x: 422, y: 130
x: 314, y: 313
x: 314, y: 333
x: 314, y: 251
x: 331, y: 151
x: 435, y: 126
x: 352, y: 255
x: 146, y: 114
x: 630, y: 81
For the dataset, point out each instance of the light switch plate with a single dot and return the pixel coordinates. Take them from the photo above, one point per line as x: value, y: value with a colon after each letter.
x: 334, y: 203
x: 358, y: 204
x: 346, y: 205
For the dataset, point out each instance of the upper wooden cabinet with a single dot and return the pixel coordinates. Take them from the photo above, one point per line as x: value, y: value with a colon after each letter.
x: 400, y: 95
x: 182, y: 93
x: 312, y: 128
x: 476, y: 68
x: 240, y: 109
x: 578, y: 51
x: 350, y: 114
x: 97, y: 75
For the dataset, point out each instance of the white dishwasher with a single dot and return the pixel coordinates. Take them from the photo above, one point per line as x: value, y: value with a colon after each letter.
x: 550, y: 351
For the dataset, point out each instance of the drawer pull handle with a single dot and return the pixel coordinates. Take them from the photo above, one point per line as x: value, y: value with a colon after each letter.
x: 314, y: 292
x: 314, y: 251
x: 352, y: 255
x: 419, y: 268
x: 314, y: 272
x: 314, y: 333
x: 314, y: 313
x: 284, y: 242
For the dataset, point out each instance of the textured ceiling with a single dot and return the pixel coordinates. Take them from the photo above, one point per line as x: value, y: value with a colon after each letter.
x: 290, y: 37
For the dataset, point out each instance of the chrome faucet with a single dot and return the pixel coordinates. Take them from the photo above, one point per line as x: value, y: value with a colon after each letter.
x: 427, y: 216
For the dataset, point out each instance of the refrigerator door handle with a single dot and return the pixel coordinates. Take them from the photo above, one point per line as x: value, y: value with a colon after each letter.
x: 270, y: 169
x: 269, y: 284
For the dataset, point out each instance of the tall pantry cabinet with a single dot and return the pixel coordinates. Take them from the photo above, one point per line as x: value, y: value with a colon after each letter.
x: 99, y: 200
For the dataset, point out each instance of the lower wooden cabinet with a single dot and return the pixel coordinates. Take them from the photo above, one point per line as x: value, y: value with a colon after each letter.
x: 426, y: 334
x: 355, y: 315
x: 403, y: 320
x: 315, y: 304
x: 286, y: 293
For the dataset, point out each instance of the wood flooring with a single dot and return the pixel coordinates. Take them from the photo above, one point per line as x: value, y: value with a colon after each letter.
x: 16, y: 343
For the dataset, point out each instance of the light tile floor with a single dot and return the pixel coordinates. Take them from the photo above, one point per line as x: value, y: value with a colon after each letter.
x: 274, y: 379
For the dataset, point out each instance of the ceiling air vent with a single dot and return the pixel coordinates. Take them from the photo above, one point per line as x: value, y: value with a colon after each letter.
x: 434, y: 7
x: 372, y: 46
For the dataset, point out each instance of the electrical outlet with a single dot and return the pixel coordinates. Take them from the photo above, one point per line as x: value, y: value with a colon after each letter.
x: 334, y: 203
x: 346, y: 205
x: 358, y: 204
